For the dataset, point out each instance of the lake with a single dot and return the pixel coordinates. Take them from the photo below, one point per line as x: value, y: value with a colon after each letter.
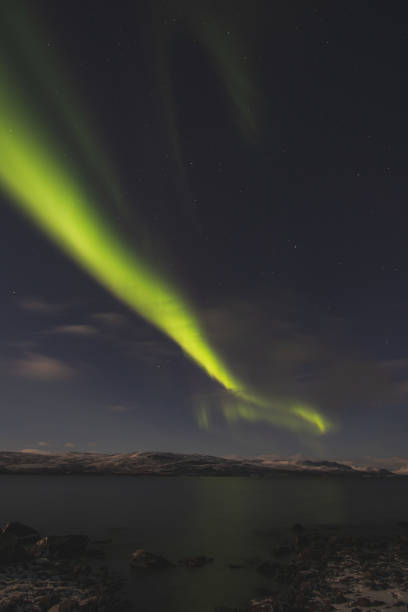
x: 229, y: 518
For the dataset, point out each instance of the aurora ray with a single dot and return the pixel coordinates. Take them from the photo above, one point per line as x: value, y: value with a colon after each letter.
x: 46, y: 188
x: 20, y: 24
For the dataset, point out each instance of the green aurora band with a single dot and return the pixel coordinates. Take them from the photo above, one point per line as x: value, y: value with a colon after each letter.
x: 19, y: 23
x: 47, y: 188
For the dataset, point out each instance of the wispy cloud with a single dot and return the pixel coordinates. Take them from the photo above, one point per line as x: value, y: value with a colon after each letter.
x: 70, y: 445
x: 119, y: 408
x: 42, y: 368
x: 76, y: 330
x: 132, y: 337
x: 42, y: 443
x: 112, y: 319
x: 41, y: 306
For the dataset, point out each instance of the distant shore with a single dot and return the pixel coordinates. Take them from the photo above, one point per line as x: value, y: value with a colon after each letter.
x: 176, y: 464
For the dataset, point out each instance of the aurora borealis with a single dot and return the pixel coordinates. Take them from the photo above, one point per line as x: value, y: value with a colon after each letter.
x: 279, y: 366
x: 52, y: 196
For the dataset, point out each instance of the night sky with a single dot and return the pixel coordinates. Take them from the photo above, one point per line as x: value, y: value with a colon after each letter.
x: 254, y: 155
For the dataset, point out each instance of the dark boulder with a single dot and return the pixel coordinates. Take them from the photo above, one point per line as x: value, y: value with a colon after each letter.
x: 141, y: 559
x: 21, y: 531
x: 45, y: 602
x: 367, y: 603
x: 12, y: 604
x: 89, y: 605
x: 67, y: 605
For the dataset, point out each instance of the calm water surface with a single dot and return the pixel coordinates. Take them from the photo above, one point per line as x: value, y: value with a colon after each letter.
x: 230, y: 519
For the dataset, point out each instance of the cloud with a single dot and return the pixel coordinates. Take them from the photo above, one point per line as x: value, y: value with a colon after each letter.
x: 118, y: 408
x: 76, y: 330
x: 42, y: 443
x: 41, y: 306
x: 70, y: 445
x: 113, y: 319
x: 134, y: 338
x: 42, y: 368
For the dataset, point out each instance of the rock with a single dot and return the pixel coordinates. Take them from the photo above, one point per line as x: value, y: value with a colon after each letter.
x: 44, y: 602
x: 141, y: 559
x: 25, y: 535
x: 11, y: 605
x: 89, y: 605
x: 57, y: 586
x: 306, y: 586
x: 367, y: 603
x: 330, y: 574
x: 340, y: 599
x: 68, y: 547
x: 20, y: 530
x: 66, y: 605
x: 261, y: 605
x: 196, y: 561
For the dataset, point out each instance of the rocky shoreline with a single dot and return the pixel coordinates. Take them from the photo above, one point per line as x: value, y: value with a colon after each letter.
x: 322, y: 570
x: 54, y: 573
x: 337, y: 571
x: 319, y: 569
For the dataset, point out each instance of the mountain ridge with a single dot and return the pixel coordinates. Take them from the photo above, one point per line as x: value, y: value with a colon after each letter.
x: 153, y: 463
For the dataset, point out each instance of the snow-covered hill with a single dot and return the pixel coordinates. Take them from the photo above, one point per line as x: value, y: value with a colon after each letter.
x: 174, y: 464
